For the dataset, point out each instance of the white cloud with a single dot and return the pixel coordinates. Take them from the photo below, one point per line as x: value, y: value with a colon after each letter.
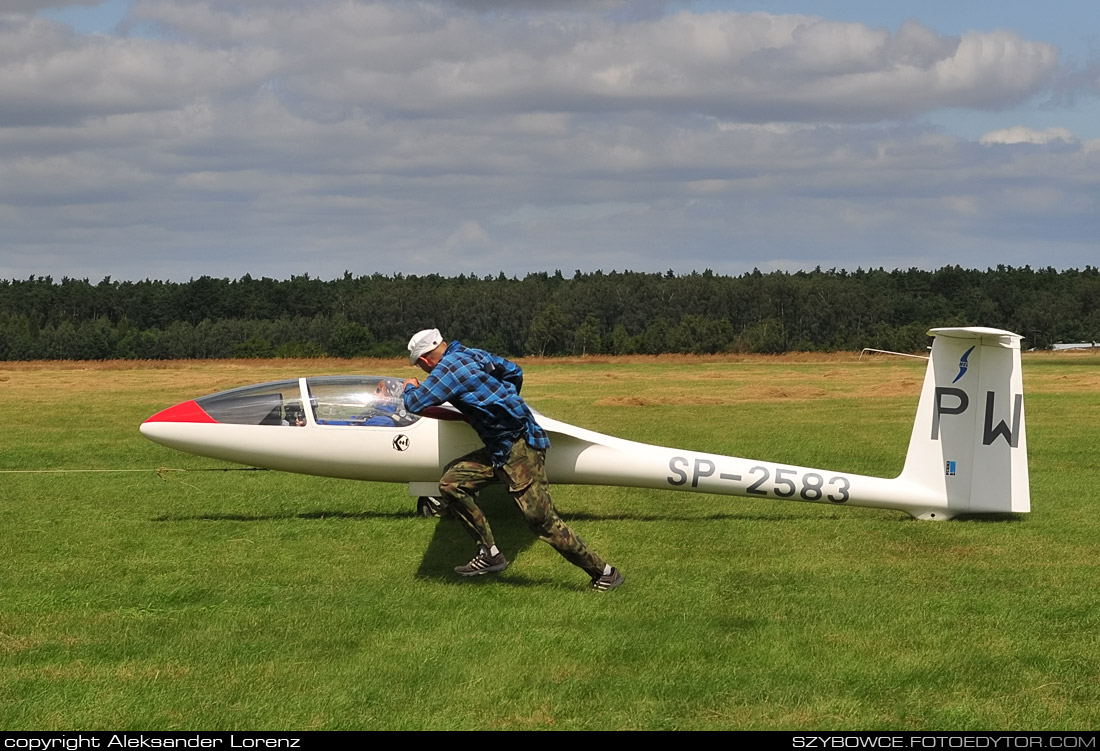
x: 49, y: 76
x: 430, y: 60
x: 469, y: 234
x: 1023, y: 134
x: 282, y: 137
x: 30, y: 6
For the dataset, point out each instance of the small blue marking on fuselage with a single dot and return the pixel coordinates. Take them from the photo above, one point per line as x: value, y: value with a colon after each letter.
x: 950, y: 469
x: 963, y: 364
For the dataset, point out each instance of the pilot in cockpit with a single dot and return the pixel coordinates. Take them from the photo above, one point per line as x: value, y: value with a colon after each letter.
x: 389, y: 388
x: 295, y: 415
x: 387, y: 410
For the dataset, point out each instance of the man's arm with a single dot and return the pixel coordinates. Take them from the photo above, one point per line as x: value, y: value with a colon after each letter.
x: 419, y: 396
x: 508, y: 372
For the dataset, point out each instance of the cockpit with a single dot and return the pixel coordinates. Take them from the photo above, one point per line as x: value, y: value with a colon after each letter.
x: 362, y: 401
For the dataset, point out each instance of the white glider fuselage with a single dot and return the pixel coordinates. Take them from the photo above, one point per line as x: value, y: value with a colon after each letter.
x: 967, y: 453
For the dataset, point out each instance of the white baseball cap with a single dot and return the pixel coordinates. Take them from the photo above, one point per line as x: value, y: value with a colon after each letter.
x: 422, y: 343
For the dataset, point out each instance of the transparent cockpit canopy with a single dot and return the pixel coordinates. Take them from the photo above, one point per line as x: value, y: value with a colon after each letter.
x: 370, y: 401
x: 262, y: 404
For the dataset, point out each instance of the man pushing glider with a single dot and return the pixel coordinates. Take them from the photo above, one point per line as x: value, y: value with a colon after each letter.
x: 485, y: 389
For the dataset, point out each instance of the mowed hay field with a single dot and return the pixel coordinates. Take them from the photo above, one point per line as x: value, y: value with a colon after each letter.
x: 141, y: 588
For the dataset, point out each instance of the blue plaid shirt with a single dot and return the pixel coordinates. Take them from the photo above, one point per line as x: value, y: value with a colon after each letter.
x: 485, y: 389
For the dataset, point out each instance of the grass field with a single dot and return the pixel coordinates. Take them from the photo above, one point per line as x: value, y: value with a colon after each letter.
x: 138, y: 599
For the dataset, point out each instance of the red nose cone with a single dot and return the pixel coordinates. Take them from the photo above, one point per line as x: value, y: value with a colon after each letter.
x: 185, y: 412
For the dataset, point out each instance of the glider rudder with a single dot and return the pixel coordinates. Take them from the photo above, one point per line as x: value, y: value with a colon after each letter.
x: 969, y: 445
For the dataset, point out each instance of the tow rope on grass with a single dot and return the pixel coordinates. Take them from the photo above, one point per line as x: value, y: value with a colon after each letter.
x: 164, y: 473
x: 161, y: 471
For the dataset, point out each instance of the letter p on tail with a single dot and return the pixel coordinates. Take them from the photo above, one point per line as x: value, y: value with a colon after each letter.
x: 969, y: 448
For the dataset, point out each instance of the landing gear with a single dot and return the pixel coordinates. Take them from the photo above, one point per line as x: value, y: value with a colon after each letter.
x: 431, y: 507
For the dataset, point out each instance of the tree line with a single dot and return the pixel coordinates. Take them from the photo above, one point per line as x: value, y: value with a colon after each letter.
x: 541, y: 314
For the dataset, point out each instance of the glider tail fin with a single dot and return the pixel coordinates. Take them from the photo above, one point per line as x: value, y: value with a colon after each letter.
x: 969, y: 446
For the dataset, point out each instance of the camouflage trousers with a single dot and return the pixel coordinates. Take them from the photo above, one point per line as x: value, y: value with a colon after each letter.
x: 525, y: 476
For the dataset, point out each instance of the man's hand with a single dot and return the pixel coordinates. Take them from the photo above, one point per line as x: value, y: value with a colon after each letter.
x: 415, y: 383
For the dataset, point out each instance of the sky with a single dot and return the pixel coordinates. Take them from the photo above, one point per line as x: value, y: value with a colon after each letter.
x: 171, y: 139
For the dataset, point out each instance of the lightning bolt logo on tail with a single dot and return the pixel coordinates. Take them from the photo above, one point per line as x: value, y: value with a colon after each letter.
x: 963, y: 364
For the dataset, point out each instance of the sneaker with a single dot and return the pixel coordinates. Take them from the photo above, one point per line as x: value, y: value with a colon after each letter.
x: 610, y: 580
x: 483, y: 563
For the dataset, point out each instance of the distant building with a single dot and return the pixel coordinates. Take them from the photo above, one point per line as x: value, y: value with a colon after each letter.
x: 1077, y: 345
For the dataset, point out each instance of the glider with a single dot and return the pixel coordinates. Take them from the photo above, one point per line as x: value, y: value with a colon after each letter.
x: 967, y: 453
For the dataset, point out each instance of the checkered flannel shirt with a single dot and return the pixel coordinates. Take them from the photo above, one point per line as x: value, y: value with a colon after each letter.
x: 485, y: 389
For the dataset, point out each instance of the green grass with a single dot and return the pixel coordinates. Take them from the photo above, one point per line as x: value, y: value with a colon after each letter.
x: 262, y: 600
